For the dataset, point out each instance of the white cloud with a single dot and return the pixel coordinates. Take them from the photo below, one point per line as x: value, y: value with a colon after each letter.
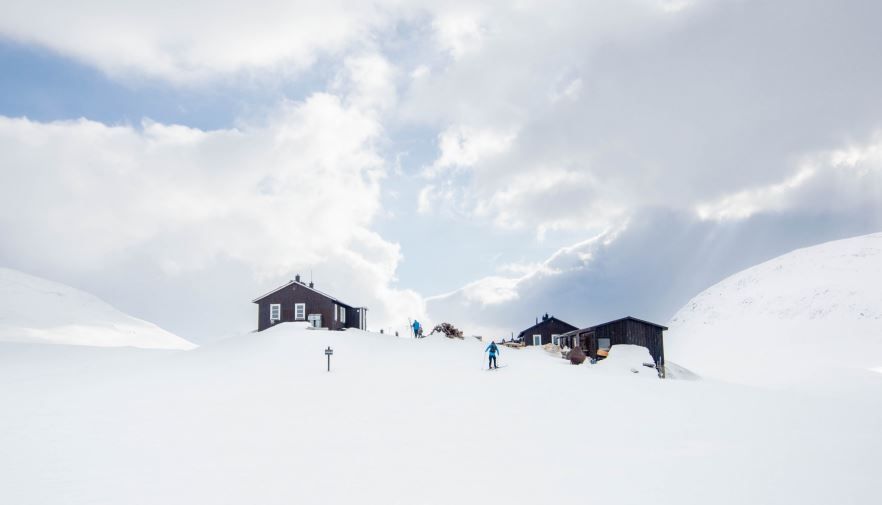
x: 744, y: 204
x: 420, y: 72
x: 496, y: 290
x: 845, y: 173
x: 459, y: 33
x: 570, y: 91
x: 623, y: 106
x: 550, y: 199
x: 675, y: 5
x: 465, y: 146
x: 295, y: 192
x: 425, y: 198
x: 187, y: 42
x: 369, y: 82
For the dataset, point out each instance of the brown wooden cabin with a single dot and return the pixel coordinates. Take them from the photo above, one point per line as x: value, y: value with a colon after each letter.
x: 597, y: 340
x: 297, y: 301
x: 545, y: 332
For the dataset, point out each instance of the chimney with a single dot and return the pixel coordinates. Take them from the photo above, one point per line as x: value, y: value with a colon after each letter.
x: 311, y: 284
x: 297, y: 278
x: 545, y: 317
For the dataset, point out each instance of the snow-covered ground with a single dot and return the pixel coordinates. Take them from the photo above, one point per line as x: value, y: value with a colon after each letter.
x: 40, y: 311
x: 257, y: 419
x: 812, y: 316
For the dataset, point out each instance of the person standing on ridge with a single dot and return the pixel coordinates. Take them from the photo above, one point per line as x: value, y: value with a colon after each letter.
x: 493, y: 350
x: 416, y: 329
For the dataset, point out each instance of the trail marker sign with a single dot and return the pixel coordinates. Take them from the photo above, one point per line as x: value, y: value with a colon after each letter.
x: 328, y: 353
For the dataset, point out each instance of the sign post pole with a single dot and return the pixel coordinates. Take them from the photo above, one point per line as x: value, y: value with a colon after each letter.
x: 328, y: 353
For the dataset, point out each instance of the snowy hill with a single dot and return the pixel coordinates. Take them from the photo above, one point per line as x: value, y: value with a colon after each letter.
x: 39, y: 311
x: 258, y: 419
x: 813, y: 315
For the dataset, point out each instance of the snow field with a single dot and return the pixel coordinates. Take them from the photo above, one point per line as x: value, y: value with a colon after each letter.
x: 809, y: 317
x: 257, y: 419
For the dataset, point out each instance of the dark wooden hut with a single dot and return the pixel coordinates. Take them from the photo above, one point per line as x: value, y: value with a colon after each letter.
x: 544, y: 332
x: 597, y: 340
x: 298, y: 301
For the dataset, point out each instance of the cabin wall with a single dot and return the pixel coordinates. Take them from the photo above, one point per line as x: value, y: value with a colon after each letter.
x: 626, y: 332
x: 352, y: 317
x: 619, y: 332
x: 647, y: 336
x: 316, y: 303
x: 546, y: 329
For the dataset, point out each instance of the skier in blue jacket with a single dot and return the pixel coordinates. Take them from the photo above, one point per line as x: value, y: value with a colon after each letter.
x: 493, y: 350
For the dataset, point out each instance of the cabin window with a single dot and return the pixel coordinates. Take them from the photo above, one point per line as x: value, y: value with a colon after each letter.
x: 336, y: 309
x: 537, y: 339
x: 603, y: 343
x: 555, y: 339
x: 275, y: 312
x: 299, y: 311
x: 342, y: 315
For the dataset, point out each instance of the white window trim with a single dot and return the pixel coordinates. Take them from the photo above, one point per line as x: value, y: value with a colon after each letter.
x: 534, y: 339
x: 277, y: 307
x: 299, y: 311
x: 343, y: 315
x: 335, y: 311
x: 555, y: 338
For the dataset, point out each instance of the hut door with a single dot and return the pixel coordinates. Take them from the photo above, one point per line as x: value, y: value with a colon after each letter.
x: 315, y: 320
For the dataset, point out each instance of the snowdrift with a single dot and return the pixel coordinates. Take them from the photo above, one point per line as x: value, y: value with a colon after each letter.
x: 35, y: 310
x: 812, y: 316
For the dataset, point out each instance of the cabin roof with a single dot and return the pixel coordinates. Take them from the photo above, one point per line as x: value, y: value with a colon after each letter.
x: 615, y: 321
x: 301, y: 285
x: 544, y: 322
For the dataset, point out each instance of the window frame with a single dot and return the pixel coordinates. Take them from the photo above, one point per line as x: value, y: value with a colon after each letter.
x: 555, y: 338
x: 300, y: 309
x: 540, y: 338
x: 277, y: 308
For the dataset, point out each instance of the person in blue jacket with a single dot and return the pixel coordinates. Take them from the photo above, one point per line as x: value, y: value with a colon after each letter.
x: 417, y: 333
x: 493, y: 350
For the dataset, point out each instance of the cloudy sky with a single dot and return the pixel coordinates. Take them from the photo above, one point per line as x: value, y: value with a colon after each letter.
x: 475, y: 163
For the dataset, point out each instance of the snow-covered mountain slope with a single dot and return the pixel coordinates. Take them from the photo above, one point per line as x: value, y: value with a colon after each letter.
x: 40, y: 311
x: 813, y: 315
x: 258, y: 419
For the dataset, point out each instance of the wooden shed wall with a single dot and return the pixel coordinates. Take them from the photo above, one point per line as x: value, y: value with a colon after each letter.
x: 316, y: 303
x: 546, y: 329
x: 625, y: 331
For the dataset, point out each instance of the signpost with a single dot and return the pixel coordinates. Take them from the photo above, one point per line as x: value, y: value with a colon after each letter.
x: 328, y: 353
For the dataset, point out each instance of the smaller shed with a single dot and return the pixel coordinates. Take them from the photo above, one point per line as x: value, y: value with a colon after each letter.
x: 596, y: 340
x: 544, y: 332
